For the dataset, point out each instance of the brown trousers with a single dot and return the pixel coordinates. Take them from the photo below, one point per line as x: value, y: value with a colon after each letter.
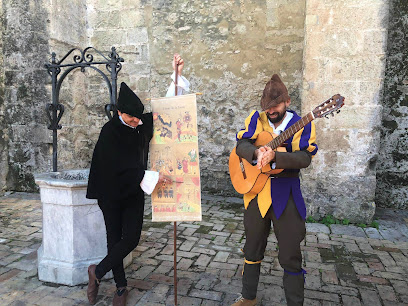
x: 290, y: 230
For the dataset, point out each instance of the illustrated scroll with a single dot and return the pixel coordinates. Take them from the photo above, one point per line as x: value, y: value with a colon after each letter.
x: 174, y: 152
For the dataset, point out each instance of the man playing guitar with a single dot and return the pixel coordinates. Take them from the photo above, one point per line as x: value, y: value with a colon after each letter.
x: 280, y: 200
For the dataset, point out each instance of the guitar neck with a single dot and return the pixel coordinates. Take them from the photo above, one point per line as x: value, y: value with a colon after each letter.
x: 285, y: 135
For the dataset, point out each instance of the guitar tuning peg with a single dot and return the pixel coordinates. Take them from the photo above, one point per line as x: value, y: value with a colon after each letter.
x: 338, y: 111
x: 327, y: 116
x: 332, y: 114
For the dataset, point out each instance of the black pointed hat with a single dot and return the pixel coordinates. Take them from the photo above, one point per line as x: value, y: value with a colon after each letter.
x: 129, y: 102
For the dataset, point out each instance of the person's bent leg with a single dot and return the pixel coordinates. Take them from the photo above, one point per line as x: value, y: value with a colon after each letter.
x: 131, y: 227
x: 132, y: 222
x: 290, y: 230
x: 112, y: 217
x: 113, y: 222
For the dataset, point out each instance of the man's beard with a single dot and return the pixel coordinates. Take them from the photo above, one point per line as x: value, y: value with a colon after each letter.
x: 278, y: 118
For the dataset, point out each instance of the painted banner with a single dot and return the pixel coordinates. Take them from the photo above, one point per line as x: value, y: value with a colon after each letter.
x: 174, y: 152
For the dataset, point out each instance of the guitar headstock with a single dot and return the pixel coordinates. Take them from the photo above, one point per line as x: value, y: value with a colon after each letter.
x: 329, y: 106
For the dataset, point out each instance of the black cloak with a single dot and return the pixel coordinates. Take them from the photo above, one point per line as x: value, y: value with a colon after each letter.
x: 119, y: 160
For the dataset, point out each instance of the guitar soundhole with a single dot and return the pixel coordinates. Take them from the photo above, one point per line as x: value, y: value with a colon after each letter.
x: 241, y: 164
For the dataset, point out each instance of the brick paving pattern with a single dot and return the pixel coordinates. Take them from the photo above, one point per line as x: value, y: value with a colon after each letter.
x: 345, y: 265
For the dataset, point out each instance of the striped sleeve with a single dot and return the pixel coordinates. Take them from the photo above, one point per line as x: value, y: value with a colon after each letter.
x: 305, y: 139
x: 252, y: 127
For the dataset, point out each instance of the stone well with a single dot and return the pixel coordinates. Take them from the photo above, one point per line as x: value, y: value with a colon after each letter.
x: 74, y: 234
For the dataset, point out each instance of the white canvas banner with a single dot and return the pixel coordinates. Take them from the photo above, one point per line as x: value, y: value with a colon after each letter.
x: 174, y: 152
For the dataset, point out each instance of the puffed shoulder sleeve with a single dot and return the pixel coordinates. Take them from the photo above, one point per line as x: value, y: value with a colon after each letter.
x: 252, y: 128
x: 247, y: 136
x: 305, y: 140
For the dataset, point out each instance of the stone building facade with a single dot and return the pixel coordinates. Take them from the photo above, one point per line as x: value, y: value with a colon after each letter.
x: 392, y: 168
x: 231, y: 49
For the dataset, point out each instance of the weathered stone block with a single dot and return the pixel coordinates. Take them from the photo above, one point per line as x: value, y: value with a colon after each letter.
x: 132, y: 3
x: 137, y: 36
x: 358, y: 117
x: 105, y: 19
x: 371, y: 16
x: 108, y: 38
x: 357, y: 204
x: 132, y: 19
x: 107, y: 5
x: 69, y: 29
x: 364, y: 68
x: 317, y: 228
x: 333, y: 139
x: 36, y: 133
x: 312, y: 19
x: 374, y: 40
x: 338, y: 43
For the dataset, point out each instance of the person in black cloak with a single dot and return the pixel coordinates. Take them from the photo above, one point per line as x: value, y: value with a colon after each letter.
x: 118, y: 179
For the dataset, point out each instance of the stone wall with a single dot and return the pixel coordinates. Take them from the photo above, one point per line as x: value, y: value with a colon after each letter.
x: 392, y: 169
x: 3, y: 126
x: 345, y: 53
x: 68, y: 28
x: 25, y: 47
x: 123, y: 25
x: 32, y: 29
x: 100, y: 24
x: 231, y: 49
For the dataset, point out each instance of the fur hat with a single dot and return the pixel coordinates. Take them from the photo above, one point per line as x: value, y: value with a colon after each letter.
x: 275, y: 92
x: 129, y: 102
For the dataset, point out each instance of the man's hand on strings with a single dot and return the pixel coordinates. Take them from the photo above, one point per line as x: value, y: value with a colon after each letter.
x: 178, y: 60
x: 259, y: 154
x: 264, y: 156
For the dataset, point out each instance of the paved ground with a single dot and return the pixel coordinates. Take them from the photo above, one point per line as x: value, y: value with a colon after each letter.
x: 345, y: 264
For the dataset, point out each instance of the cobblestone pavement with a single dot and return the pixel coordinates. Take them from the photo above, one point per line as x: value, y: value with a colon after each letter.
x: 345, y: 264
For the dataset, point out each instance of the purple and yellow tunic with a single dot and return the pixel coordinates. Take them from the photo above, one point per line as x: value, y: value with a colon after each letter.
x: 277, y: 190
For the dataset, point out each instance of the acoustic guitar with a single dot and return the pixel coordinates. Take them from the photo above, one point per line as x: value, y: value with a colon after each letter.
x: 246, y: 177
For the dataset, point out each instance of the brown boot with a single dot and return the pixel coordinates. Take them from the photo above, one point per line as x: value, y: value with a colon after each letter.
x: 244, y: 302
x: 93, y: 285
x: 120, y: 300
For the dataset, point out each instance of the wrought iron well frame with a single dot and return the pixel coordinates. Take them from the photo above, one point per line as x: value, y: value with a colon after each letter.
x: 55, y: 110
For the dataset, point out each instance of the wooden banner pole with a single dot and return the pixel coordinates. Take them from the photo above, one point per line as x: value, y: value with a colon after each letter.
x: 175, y: 263
x: 175, y: 78
x: 175, y: 223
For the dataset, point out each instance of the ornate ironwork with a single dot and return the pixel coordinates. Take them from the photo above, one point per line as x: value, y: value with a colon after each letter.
x: 55, y: 110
